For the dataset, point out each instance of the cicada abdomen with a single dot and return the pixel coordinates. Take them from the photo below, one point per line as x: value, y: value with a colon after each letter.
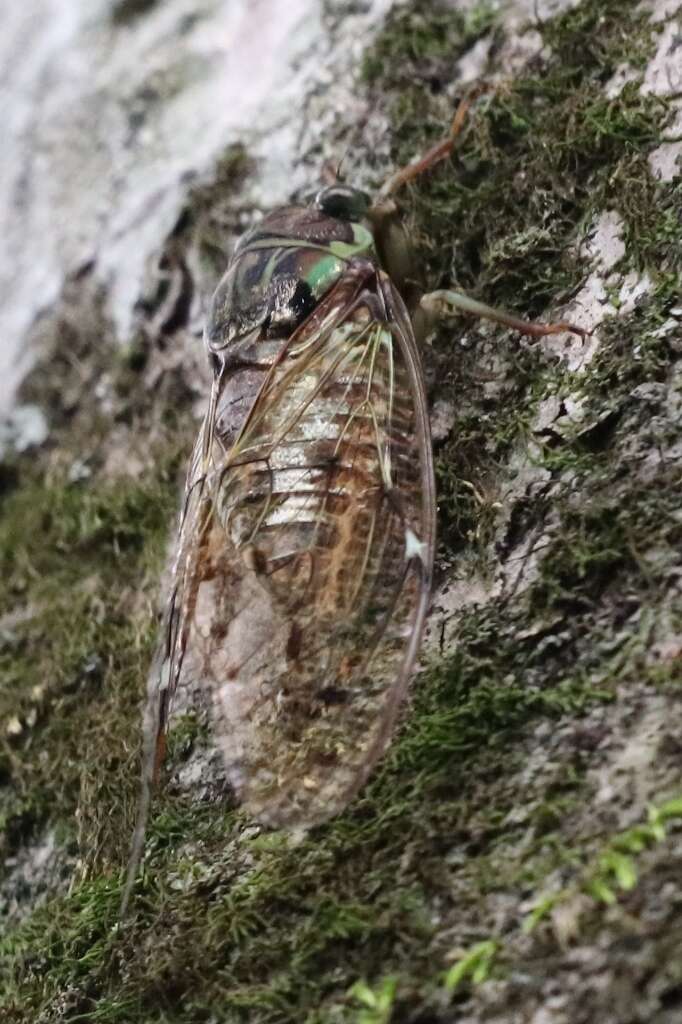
x: 306, y: 551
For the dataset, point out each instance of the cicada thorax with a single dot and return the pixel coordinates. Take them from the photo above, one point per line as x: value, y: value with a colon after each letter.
x: 304, y: 573
x: 279, y: 272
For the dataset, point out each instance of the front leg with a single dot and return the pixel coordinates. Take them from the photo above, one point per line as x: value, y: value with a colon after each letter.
x: 448, y: 301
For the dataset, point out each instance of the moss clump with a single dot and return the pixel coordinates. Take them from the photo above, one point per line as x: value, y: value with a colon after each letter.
x: 79, y: 569
x: 419, y: 44
x: 617, y: 542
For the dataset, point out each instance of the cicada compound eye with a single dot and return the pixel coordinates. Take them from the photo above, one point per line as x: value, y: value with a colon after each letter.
x: 343, y: 202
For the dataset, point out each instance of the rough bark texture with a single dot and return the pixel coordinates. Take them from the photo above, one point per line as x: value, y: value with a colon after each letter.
x: 518, y: 855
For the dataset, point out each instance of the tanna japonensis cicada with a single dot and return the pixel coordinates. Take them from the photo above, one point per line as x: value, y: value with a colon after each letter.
x: 306, y: 544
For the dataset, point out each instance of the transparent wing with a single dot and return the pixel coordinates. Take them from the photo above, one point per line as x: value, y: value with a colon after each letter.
x: 305, y: 555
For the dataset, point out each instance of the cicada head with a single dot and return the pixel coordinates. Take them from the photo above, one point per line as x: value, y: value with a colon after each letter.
x: 343, y: 202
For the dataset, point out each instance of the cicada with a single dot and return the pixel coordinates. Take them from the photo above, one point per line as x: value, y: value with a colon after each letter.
x: 306, y: 544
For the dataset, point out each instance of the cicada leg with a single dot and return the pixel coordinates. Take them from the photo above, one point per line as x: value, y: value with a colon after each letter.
x: 438, y: 152
x: 394, y: 250
x: 448, y: 301
x: 391, y: 238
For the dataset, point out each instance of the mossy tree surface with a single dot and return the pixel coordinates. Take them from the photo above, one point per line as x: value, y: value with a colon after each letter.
x: 507, y: 831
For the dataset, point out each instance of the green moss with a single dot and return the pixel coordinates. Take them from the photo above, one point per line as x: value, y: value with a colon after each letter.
x: 611, y: 542
x: 419, y: 43
x: 548, y: 149
x: 187, y: 731
x: 614, y: 868
x: 377, y: 1002
x: 79, y: 568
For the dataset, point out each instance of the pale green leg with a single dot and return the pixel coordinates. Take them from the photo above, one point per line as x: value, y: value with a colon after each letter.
x: 448, y: 301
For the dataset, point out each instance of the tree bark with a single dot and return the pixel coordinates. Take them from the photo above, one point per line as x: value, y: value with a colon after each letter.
x: 517, y: 856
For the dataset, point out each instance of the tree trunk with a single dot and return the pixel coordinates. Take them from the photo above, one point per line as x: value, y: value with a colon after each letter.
x: 517, y: 855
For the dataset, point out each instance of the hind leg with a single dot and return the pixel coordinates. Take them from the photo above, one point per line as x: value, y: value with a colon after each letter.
x: 447, y: 302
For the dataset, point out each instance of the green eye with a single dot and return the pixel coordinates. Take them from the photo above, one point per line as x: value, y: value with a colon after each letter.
x: 343, y: 202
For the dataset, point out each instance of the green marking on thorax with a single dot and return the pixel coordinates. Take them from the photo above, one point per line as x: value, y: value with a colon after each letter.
x: 363, y: 242
x: 324, y: 272
x: 329, y: 268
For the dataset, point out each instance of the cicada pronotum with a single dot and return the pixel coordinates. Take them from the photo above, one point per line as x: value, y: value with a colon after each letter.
x: 306, y: 545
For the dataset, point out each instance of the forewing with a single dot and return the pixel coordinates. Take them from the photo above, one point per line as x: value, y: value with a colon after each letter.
x: 305, y: 557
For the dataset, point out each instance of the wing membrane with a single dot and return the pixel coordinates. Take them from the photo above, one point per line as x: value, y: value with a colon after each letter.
x: 305, y: 554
